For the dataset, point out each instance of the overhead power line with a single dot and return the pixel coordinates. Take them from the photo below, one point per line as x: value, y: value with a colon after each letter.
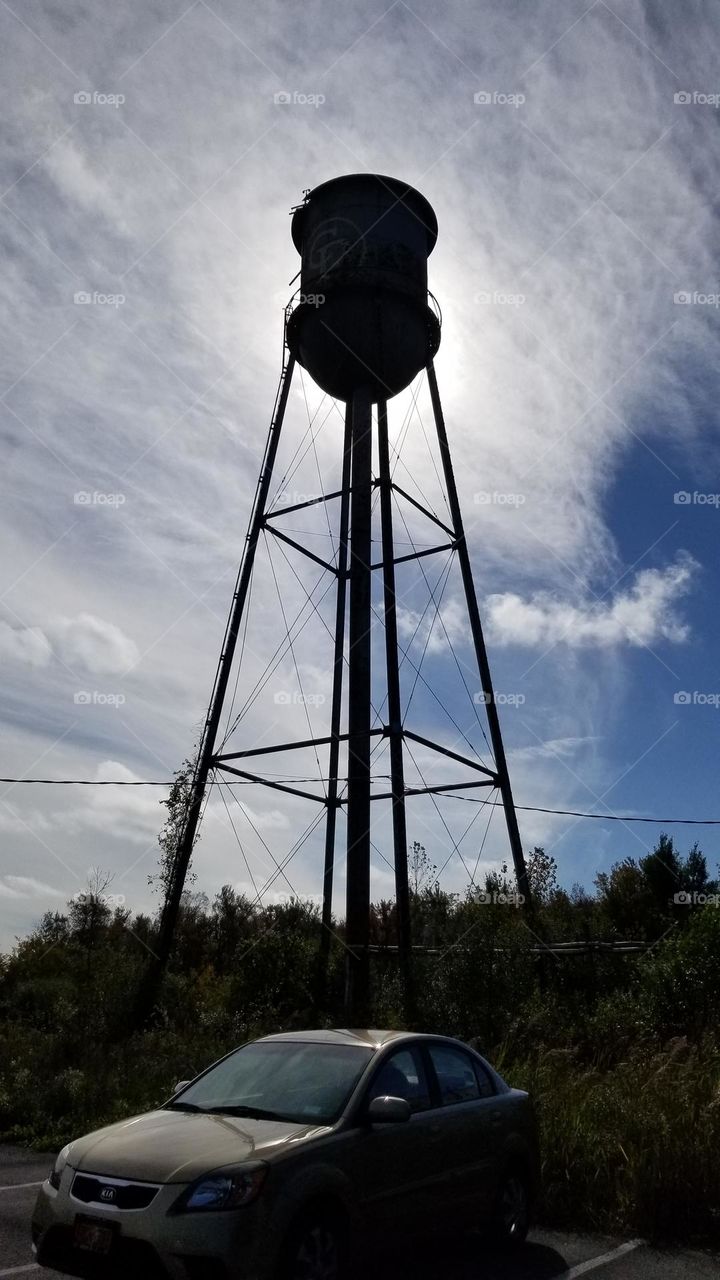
x: 243, y: 782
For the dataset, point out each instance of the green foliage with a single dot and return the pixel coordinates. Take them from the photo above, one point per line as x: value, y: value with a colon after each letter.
x: 177, y: 806
x: 634, y: 1148
x: 621, y: 1052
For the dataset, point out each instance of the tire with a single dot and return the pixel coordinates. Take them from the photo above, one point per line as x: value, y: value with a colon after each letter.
x: 511, y: 1214
x: 316, y: 1249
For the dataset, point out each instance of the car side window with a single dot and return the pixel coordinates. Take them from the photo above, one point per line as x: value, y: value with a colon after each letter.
x: 455, y: 1074
x: 402, y: 1075
x: 484, y: 1079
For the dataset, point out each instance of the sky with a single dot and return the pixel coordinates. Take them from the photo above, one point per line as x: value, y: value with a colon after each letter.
x: 149, y: 160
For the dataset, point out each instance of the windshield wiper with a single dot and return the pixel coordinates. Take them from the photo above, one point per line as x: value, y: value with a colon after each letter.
x: 251, y: 1113
x: 182, y: 1106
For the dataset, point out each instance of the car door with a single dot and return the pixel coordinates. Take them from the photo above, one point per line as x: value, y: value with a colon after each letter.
x: 470, y: 1133
x: 396, y: 1168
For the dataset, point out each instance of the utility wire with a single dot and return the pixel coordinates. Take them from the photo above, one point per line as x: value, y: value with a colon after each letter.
x: 240, y: 782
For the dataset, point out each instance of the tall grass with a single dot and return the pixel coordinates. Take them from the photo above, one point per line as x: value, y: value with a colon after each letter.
x: 631, y: 1148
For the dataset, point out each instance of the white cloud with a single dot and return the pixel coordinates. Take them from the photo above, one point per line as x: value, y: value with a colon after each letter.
x: 27, y: 887
x: 72, y: 171
x: 85, y: 641
x: 262, y: 819
x: 434, y: 629
x: 93, y: 643
x: 641, y: 615
x: 24, y: 644
x: 124, y: 813
x: 554, y: 747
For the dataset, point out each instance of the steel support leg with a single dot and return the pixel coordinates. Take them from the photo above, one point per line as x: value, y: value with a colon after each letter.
x: 335, y: 712
x: 480, y: 650
x: 359, y: 693
x: 397, y: 772
x: 171, y: 908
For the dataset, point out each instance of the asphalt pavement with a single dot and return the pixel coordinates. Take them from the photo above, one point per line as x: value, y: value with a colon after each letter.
x: 548, y: 1255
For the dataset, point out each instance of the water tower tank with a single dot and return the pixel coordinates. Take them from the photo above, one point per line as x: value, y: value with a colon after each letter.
x: 363, y: 319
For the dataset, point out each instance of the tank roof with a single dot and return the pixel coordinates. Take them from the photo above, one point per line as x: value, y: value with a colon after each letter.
x: 401, y: 191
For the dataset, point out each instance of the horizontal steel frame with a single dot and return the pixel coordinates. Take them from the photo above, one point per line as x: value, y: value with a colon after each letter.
x: 289, y: 746
x: 428, y: 791
x: 417, y: 555
x: 414, y: 502
x: 324, y: 564
x: 300, y: 506
x: 267, y: 782
x: 452, y: 755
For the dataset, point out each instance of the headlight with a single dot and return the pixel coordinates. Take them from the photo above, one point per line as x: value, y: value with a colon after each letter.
x: 58, y: 1167
x: 222, y: 1190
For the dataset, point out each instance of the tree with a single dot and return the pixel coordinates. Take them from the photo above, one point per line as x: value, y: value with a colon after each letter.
x: 542, y: 875
x: 626, y: 900
x: 422, y: 873
x: 169, y: 838
x: 663, y: 872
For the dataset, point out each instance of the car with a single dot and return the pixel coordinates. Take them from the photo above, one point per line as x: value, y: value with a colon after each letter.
x: 291, y: 1154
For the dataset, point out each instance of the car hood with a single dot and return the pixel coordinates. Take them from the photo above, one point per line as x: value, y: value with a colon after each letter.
x: 178, y: 1146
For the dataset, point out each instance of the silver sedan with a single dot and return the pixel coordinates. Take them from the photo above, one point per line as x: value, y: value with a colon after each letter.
x: 288, y: 1155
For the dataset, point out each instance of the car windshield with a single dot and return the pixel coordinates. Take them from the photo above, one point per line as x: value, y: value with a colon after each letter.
x: 298, y: 1081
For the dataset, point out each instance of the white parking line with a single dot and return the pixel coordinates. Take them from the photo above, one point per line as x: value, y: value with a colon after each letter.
x: 20, y: 1186
x: 16, y: 1271
x: 601, y: 1261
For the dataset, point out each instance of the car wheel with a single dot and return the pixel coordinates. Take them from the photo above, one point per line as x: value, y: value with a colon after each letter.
x: 315, y: 1250
x: 511, y: 1218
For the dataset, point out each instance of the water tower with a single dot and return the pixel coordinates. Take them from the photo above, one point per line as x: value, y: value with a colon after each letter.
x: 363, y: 328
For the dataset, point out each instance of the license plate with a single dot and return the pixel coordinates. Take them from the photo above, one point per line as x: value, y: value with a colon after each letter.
x: 94, y: 1236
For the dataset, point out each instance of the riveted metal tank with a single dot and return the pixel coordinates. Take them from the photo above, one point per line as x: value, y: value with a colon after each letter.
x: 363, y: 320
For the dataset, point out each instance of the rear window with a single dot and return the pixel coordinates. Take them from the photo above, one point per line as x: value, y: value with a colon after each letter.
x: 455, y: 1074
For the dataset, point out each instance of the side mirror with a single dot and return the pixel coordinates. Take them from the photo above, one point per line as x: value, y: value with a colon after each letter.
x: 180, y: 1085
x: 385, y: 1110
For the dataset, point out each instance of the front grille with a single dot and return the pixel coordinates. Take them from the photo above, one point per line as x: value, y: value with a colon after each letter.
x: 127, y: 1257
x: 131, y: 1195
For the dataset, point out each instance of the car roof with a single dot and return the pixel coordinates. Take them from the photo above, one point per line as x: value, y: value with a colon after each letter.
x: 370, y: 1039
x: 364, y: 1037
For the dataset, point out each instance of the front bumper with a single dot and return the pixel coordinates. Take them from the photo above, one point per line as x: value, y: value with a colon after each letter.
x: 151, y: 1243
